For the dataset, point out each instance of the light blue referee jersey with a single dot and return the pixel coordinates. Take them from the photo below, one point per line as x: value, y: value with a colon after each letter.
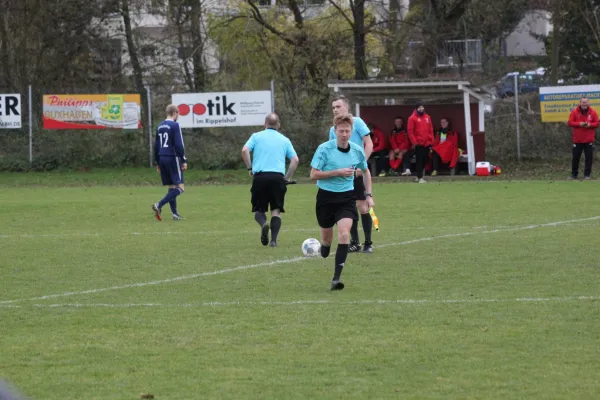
x: 269, y: 150
x: 359, y: 130
x: 328, y: 158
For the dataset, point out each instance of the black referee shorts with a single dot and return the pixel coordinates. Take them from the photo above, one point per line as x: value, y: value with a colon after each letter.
x: 334, y: 206
x: 359, y: 188
x: 268, y: 190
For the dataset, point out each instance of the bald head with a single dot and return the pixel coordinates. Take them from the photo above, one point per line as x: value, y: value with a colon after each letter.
x: 272, y: 121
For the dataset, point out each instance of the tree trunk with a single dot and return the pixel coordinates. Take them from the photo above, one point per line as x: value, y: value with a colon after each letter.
x: 138, y: 76
x: 393, y: 40
x: 4, y: 48
x: 360, y: 67
x: 198, y: 46
x: 555, y: 52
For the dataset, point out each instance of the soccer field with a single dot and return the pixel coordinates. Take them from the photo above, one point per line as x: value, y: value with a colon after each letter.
x: 475, y: 290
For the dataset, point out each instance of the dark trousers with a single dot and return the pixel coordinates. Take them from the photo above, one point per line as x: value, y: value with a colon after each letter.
x: 421, y: 155
x: 437, y: 161
x: 406, y: 159
x: 588, y: 150
x: 381, y: 162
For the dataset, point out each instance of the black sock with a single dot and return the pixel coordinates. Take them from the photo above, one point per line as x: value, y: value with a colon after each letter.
x: 340, y: 259
x: 367, y: 223
x: 354, y: 232
x: 275, y: 226
x: 260, y: 217
x: 325, y: 250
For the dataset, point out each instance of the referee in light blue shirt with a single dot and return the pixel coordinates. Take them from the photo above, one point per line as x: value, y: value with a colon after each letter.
x: 360, y: 136
x: 333, y: 167
x: 269, y: 149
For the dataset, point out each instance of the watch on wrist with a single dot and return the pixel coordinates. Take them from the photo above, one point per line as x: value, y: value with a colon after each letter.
x: 368, y: 194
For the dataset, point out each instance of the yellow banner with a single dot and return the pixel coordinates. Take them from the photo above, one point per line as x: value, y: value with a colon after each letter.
x: 557, y: 102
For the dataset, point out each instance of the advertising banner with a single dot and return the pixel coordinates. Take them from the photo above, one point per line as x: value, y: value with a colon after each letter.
x: 92, y: 111
x: 219, y: 109
x: 10, y: 111
x: 557, y: 102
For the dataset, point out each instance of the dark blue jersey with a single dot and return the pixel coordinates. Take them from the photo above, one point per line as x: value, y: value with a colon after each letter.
x: 168, y: 141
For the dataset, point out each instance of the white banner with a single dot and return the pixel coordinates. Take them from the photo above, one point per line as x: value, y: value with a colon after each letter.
x: 202, y: 110
x: 10, y: 111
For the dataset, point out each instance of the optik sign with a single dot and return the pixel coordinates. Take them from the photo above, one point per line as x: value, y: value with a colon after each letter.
x: 201, y: 110
x: 10, y: 111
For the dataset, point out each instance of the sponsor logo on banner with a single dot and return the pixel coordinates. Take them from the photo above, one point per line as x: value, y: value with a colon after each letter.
x: 557, y: 102
x: 200, y: 110
x: 10, y: 111
x: 104, y: 111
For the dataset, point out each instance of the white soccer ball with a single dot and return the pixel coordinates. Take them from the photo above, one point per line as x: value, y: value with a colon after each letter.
x: 311, y: 247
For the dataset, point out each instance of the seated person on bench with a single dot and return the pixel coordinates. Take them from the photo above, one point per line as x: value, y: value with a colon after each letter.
x: 445, y: 147
x: 400, y: 148
x: 379, y: 149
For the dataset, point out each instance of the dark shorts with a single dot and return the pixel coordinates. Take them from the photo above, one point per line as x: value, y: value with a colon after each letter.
x: 268, y: 190
x: 170, y: 170
x: 334, y: 206
x: 359, y: 188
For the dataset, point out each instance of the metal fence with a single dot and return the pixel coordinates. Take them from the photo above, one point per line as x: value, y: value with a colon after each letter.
x: 33, y: 146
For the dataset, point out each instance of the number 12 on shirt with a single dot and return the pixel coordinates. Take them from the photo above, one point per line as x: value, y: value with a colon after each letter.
x: 164, y: 136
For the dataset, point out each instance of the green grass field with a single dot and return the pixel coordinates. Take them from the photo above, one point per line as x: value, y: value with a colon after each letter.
x: 476, y: 290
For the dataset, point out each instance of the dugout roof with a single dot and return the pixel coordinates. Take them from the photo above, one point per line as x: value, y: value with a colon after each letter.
x: 372, y: 93
x: 392, y: 92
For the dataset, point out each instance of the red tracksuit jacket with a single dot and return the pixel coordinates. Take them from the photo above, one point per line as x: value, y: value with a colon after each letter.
x: 379, y: 140
x: 580, y: 133
x: 399, y: 140
x: 420, y: 129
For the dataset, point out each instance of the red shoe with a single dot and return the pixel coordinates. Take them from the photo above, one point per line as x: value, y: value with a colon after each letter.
x: 156, y: 211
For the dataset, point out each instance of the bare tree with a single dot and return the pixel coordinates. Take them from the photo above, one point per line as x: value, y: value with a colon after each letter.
x: 188, y: 16
x: 132, y: 49
x: 310, y: 71
x: 359, y: 33
x: 438, y: 22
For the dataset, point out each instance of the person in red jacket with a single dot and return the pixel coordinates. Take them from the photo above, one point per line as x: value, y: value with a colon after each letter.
x: 420, y: 133
x: 400, y: 148
x: 584, y: 121
x: 445, y: 147
x: 380, y: 147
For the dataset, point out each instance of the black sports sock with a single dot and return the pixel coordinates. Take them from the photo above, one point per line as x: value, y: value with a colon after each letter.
x: 367, y: 223
x: 325, y: 250
x: 260, y: 217
x: 354, y: 232
x: 340, y: 259
x: 275, y: 226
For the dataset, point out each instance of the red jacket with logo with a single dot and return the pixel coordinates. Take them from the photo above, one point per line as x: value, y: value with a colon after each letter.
x: 447, y: 150
x: 582, y: 134
x: 420, y: 129
x: 379, y: 140
x: 399, y: 140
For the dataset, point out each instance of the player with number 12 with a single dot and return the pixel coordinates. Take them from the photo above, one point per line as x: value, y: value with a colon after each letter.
x: 168, y: 151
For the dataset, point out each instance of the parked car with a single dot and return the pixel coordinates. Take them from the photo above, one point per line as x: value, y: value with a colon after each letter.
x: 529, y: 82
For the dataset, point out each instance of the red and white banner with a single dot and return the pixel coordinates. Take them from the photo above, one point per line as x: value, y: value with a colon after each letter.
x: 201, y: 110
